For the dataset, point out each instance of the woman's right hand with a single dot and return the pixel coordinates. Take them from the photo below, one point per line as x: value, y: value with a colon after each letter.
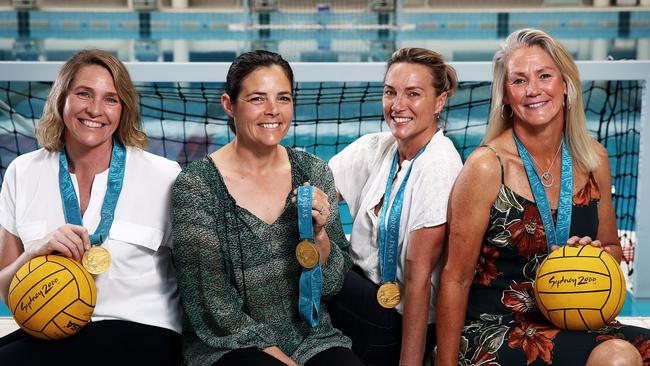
x: 68, y: 240
x: 585, y: 240
x: 276, y: 352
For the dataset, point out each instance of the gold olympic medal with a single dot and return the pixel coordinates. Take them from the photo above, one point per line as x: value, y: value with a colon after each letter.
x: 307, y: 254
x: 96, y: 260
x: 388, y: 295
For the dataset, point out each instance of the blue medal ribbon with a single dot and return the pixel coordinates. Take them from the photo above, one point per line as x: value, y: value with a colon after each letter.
x: 389, y: 229
x: 304, y: 203
x: 70, y: 202
x: 311, y: 280
x: 556, y: 234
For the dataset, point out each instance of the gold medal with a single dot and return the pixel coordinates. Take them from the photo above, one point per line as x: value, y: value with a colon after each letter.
x: 307, y: 254
x: 96, y: 260
x: 388, y: 295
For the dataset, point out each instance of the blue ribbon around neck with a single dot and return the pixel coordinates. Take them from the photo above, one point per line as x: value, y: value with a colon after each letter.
x: 389, y: 229
x: 70, y: 202
x: 311, y: 280
x: 556, y: 234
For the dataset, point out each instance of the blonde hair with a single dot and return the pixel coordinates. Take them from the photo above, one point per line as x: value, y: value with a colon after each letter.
x: 444, y: 76
x: 578, y: 140
x: 51, y: 128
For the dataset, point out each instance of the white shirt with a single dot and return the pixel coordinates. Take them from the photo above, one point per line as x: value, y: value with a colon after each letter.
x: 361, y: 171
x: 140, y: 285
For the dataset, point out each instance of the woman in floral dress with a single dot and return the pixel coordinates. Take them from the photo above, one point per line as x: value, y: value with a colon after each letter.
x: 536, y: 137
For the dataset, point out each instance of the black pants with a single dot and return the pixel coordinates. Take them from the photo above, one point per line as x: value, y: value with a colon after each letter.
x: 337, y: 356
x: 376, y: 332
x: 106, y: 342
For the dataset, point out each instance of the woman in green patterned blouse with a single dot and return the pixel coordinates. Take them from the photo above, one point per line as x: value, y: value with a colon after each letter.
x: 235, y: 230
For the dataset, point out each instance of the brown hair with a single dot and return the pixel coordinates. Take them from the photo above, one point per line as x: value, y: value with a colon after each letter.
x: 51, y: 128
x: 444, y: 76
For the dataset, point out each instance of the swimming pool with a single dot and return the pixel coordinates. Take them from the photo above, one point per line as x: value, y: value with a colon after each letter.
x: 314, y: 36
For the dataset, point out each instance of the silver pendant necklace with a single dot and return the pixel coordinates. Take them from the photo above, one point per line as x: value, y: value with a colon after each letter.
x: 546, y: 177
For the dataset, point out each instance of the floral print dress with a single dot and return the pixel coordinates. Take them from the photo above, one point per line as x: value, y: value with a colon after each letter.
x: 503, y: 325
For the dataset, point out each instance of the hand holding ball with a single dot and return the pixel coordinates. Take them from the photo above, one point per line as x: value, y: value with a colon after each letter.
x: 52, y: 297
x: 580, y: 288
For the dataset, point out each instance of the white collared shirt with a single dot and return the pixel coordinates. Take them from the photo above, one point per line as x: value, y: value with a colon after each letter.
x: 361, y: 171
x: 140, y: 285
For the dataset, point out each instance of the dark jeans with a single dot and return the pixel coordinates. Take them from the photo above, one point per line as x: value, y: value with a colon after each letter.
x: 337, y: 356
x: 106, y: 342
x: 376, y: 332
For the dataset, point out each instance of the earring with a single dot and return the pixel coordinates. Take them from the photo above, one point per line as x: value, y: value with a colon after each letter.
x: 438, y: 116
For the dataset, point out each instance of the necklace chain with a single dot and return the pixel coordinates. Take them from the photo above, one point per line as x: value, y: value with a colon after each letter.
x: 546, y: 176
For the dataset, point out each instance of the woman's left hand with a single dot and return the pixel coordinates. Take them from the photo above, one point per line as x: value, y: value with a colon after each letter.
x: 320, y: 212
x: 320, y: 208
x: 585, y: 240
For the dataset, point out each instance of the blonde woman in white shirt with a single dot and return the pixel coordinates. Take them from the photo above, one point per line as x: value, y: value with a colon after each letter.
x: 90, y: 131
x: 387, y: 302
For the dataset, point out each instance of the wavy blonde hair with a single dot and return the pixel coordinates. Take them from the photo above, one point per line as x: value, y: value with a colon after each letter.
x: 578, y: 140
x: 51, y: 128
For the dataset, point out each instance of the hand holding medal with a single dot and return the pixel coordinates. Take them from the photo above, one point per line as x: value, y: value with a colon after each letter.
x: 311, y: 278
x: 68, y: 240
x: 307, y: 252
x: 73, y: 241
x: 97, y: 259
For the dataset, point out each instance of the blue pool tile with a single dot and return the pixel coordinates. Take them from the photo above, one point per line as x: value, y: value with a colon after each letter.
x: 635, y: 307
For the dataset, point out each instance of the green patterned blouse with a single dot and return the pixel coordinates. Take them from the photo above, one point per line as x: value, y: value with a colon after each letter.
x: 238, y: 276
